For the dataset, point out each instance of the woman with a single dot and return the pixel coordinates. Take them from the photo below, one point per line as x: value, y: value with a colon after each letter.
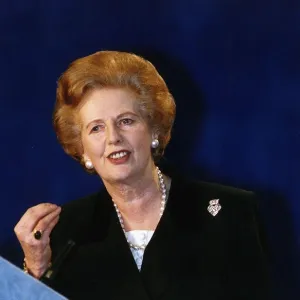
x: 149, y: 234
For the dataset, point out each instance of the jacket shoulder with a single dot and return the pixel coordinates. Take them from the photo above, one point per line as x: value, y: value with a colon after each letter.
x: 80, y: 206
x: 203, y: 191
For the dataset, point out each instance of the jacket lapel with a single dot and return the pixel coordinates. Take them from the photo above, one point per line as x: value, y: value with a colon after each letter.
x: 165, y: 256
x: 157, y: 262
x: 117, y: 264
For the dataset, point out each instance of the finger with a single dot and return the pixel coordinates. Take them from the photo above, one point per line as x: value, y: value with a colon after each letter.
x: 45, y: 222
x: 34, y: 214
x: 38, y: 244
x: 51, y: 226
x: 43, y: 243
x: 26, y: 225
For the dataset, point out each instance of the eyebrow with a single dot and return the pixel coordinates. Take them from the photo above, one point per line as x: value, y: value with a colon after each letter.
x: 118, y: 117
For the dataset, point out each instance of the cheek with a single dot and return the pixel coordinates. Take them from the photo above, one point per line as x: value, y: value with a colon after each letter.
x: 143, y: 142
x: 93, y: 145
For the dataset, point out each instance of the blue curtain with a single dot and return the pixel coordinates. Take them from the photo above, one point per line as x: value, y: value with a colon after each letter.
x: 233, y: 67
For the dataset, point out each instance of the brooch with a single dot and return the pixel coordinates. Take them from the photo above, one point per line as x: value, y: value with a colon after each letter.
x: 214, y: 207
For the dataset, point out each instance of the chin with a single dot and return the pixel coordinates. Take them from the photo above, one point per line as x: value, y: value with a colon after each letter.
x: 119, y: 174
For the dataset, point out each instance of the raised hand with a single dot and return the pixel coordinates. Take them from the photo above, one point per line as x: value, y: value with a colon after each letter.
x: 33, y: 232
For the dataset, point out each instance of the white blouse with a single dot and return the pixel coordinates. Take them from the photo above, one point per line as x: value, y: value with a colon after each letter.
x: 139, y: 237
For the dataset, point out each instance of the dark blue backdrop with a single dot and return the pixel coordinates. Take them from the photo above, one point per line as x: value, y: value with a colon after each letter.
x: 233, y: 67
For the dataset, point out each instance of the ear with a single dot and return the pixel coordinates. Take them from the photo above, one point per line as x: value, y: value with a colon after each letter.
x: 154, y: 135
x: 85, y: 157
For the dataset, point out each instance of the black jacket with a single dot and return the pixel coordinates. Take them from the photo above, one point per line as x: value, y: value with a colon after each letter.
x: 192, y: 254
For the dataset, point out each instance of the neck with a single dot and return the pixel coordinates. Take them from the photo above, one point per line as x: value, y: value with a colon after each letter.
x: 139, y: 201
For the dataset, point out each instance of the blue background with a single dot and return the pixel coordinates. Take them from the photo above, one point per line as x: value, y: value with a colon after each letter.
x: 233, y: 67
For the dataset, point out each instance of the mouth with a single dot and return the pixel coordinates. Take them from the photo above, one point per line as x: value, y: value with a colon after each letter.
x: 119, y: 156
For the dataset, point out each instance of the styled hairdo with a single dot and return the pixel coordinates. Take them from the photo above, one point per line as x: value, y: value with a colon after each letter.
x: 112, y: 69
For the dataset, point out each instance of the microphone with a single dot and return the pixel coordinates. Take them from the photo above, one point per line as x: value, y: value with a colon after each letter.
x: 52, y: 271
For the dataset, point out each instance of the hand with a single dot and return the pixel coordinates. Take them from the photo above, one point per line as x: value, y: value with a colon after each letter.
x: 42, y: 217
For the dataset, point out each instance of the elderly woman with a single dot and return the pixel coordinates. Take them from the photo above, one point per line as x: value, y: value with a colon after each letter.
x: 148, y: 234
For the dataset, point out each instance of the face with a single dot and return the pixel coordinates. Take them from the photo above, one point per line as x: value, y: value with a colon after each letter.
x: 115, y: 136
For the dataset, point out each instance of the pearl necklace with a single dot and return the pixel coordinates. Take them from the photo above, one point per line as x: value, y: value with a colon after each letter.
x: 162, y: 208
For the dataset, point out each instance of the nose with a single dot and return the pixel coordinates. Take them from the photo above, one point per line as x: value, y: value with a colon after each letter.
x: 113, y: 134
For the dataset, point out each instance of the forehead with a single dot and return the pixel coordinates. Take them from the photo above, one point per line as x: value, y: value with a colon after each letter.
x: 107, y: 103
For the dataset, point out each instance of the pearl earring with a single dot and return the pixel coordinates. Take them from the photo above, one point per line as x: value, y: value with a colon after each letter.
x: 89, y: 165
x: 154, y: 143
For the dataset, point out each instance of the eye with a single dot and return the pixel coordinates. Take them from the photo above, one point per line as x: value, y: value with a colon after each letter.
x: 126, y: 121
x: 96, y: 128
